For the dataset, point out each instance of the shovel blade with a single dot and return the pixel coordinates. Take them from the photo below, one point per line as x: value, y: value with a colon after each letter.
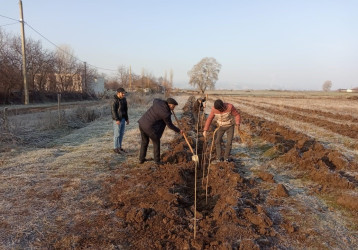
x: 195, y: 158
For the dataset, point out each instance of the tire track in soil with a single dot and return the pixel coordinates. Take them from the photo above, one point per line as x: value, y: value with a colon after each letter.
x: 153, y: 206
x: 342, y: 129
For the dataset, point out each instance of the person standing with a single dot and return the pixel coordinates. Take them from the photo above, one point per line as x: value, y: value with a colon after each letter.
x: 152, y: 125
x: 199, y: 104
x: 198, y: 107
x: 227, y: 116
x: 120, y: 118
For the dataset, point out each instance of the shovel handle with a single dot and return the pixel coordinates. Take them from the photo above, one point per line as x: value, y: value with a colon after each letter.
x: 186, y: 139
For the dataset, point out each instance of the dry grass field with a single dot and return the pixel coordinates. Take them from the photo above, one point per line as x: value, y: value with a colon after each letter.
x: 295, y: 187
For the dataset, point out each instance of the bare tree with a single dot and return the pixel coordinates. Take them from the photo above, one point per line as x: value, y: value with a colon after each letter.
x: 123, y: 76
x: 40, y: 65
x: 327, y: 85
x: 205, y: 74
x: 112, y: 84
x: 10, y: 69
x: 68, y: 77
x: 171, y: 76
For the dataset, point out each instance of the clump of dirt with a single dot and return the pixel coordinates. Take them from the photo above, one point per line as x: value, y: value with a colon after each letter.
x: 266, y: 176
x: 349, y: 201
x: 281, y: 191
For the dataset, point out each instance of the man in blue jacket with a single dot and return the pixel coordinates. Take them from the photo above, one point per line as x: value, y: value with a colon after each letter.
x: 120, y: 117
x: 152, y: 125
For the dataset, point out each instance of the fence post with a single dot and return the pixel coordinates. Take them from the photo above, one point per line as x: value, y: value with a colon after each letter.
x: 58, y: 108
x: 6, y: 124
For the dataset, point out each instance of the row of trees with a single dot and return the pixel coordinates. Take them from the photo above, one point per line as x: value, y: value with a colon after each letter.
x: 144, y: 82
x: 59, y: 71
x: 47, y: 71
x: 202, y: 76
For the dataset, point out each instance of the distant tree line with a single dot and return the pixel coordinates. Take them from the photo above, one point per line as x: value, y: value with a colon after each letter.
x: 145, y: 82
x: 59, y: 71
x: 48, y: 72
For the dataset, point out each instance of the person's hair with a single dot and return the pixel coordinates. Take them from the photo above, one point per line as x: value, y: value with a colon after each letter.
x: 121, y: 90
x: 219, y: 105
x: 172, y: 101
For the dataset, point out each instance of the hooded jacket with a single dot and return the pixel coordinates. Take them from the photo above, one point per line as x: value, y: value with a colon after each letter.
x: 158, y: 116
x: 119, y: 108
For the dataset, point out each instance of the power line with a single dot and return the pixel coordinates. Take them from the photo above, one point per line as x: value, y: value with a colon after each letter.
x: 64, y: 50
x: 8, y: 24
x: 10, y: 18
x: 17, y: 21
x: 52, y: 42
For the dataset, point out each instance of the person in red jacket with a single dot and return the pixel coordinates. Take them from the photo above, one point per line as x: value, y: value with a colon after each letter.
x: 227, y: 117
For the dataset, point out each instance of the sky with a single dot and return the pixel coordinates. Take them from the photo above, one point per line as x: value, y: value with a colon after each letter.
x: 261, y: 44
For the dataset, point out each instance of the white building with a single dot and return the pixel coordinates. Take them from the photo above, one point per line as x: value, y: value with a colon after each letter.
x: 97, y: 87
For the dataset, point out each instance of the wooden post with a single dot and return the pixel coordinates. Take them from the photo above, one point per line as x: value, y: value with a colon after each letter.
x: 130, y: 79
x: 6, y: 125
x: 58, y: 108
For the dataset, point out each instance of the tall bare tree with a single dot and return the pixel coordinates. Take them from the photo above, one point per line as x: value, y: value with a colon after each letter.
x: 327, y: 85
x: 123, y: 76
x: 68, y: 71
x: 40, y: 65
x: 205, y: 74
x: 10, y: 66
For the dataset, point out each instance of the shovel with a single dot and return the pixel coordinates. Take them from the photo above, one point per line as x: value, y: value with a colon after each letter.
x: 195, y: 157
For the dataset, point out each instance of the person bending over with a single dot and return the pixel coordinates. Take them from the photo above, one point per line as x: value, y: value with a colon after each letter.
x: 226, y: 116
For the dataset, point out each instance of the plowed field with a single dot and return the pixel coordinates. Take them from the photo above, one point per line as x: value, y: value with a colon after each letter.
x: 292, y: 185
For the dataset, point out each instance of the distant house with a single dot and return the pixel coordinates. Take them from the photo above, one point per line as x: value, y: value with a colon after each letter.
x: 348, y: 90
x: 59, y: 82
x: 97, y: 86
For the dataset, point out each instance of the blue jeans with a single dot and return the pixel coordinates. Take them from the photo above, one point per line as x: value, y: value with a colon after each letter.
x: 118, y: 133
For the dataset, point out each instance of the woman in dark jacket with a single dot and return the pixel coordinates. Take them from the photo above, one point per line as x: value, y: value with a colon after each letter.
x: 152, y: 125
x: 120, y: 116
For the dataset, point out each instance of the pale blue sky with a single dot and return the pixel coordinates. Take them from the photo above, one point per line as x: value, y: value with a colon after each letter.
x: 261, y: 44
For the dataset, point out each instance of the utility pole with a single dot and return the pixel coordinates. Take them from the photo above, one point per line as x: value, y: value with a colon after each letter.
x: 26, y: 90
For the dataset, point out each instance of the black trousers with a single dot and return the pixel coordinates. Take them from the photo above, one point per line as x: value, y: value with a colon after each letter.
x: 144, y: 146
x: 219, y: 135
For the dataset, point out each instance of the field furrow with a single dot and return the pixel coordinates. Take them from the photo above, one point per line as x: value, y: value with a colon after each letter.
x: 343, y: 129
